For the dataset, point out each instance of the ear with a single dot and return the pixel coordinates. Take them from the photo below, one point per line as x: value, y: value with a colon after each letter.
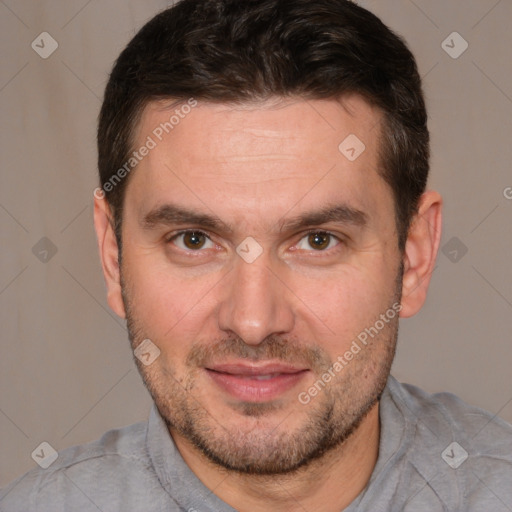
x: 420, y: 252
x: 109, y: 252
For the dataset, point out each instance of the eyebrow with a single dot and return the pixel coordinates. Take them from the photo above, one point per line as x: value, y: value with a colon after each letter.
x: 343, y: 214
x: 169, y: 214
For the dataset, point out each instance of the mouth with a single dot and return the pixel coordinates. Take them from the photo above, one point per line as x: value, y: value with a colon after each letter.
x: 256, y: 382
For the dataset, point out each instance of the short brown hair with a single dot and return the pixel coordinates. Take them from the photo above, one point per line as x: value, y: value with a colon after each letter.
x: 245, y: 50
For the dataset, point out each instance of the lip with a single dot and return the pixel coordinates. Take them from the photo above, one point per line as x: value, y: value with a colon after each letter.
x: 258, y: 382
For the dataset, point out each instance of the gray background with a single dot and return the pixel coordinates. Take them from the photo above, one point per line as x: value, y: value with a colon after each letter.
x: 66, y: 369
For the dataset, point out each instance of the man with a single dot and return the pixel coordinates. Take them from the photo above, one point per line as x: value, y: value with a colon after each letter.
x: 262, y: 224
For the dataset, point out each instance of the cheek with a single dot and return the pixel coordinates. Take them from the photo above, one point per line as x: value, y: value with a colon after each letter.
x: 344, y: 303
x: 166, y: 305
x: 331, y: 306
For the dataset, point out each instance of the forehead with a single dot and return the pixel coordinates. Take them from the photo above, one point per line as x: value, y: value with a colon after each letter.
x: 319, y: 123
x: 261, y: 159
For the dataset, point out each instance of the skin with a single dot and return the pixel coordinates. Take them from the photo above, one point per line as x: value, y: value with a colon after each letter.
x: 256, y: 167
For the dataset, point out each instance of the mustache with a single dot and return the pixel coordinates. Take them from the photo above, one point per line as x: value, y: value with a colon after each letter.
x: 271, y: 348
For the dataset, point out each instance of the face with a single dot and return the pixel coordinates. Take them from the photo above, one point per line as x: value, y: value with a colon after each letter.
x: 256, y: 256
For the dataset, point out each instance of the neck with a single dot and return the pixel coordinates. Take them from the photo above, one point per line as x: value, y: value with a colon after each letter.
x: 327, y: 484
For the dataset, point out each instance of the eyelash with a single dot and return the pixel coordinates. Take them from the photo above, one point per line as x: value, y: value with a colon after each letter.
x: 322, y: 232
x: 340, y: 241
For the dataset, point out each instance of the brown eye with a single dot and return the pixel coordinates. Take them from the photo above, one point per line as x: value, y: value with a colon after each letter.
x: 192, y: 241
x: 319, y: 241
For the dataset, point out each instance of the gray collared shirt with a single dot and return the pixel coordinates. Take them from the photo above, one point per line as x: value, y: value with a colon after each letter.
x: 436, y: 453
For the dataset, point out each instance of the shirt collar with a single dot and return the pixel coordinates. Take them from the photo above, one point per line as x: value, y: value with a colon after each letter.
x: 174, y: 475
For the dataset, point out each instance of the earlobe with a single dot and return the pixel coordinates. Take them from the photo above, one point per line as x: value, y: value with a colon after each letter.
x: 420, y: 252
x: 109, y: 254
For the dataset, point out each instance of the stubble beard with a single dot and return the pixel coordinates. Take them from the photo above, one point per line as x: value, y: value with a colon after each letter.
x: 256, y: 445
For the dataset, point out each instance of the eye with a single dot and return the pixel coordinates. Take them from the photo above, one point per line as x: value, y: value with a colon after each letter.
x: 318, y: 241
x: 192, y: 241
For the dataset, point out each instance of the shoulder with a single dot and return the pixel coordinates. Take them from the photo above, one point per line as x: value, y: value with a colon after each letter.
x: 446, y: 413
x: 88, y: 477
x: 462, y: 452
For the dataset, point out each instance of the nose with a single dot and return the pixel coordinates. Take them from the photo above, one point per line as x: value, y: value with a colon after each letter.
x: 256, y: 303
